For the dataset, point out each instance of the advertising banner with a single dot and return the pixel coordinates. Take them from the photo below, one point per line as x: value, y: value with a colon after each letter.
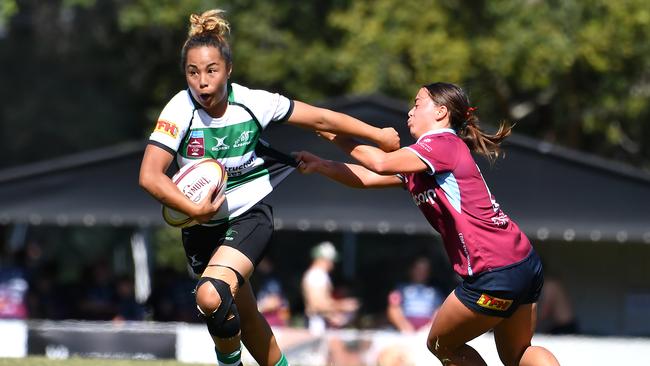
x: 102, y: 340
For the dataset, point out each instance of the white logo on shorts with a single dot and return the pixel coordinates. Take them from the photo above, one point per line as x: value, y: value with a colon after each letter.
x: 195, y: 263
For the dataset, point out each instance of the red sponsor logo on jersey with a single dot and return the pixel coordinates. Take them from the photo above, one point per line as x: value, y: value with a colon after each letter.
x: 195, y: 147
x: 167, y: 127
x: 494, y: 303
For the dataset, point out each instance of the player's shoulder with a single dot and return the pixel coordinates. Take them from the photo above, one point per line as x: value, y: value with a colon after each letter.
x: 181, y: 101
x: 237, y: 91
x: 444, y: 139
x: 437, y: 139
x: 248, y: 96
x: 183, y: 96
x: 241, y: 94
x: 443, y: 135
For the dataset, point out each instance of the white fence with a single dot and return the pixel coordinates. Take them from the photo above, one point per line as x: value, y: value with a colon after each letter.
x: 193, y: 344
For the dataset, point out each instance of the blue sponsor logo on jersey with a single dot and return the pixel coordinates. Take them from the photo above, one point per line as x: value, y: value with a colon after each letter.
x: 196, y: 134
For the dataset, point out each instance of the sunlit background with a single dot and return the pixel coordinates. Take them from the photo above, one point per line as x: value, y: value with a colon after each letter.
x: 82, y: 82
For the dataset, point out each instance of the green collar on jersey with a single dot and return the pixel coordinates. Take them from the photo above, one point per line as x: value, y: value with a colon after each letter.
x: 231, y: 97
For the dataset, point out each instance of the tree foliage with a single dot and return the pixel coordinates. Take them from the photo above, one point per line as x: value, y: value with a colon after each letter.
x: 83, y: 73
x: 574, y: 72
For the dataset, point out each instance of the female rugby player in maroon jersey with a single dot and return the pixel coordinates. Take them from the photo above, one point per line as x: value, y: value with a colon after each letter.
x: 502, y: 274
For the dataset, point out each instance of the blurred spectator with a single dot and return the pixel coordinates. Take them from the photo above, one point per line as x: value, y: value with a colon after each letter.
x: 169, y: 300
x: 271, y: 300
x: 127, y: 307
x: 46, y: 298
x: 412, y: 305
x: 321, y: 308
x: 99, y: 298
x: 13, y: 289
x: 555, y: 311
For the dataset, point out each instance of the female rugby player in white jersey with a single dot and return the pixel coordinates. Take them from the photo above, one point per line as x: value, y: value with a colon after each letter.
x: 502, y: 274
x: 215, y: 118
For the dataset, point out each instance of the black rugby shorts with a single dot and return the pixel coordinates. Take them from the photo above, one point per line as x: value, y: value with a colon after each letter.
x: 249, y: 233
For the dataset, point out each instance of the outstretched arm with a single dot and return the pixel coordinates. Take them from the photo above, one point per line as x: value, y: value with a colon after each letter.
x: 321, y: 119
x: 376, y: 160
x: 351, y: 175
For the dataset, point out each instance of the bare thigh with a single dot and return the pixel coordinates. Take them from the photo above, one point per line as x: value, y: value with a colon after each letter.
x: 206, y: 295
x: 512, y: 336
x: 455, y: 324
x: 231, y: 257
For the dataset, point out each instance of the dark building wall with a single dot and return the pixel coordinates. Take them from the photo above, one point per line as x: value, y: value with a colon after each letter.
x: 608, y: 282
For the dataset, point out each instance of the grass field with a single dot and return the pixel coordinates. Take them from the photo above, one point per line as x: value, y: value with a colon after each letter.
x: 43, y: 361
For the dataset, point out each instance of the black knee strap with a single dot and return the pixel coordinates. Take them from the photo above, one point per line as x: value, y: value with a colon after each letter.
x: 217, y: 322
x: 223, y: 289
x: 230, y: 327
x: 240, y: 278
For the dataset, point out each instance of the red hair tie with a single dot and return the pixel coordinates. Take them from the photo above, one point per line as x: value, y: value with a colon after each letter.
x: 470, y: 110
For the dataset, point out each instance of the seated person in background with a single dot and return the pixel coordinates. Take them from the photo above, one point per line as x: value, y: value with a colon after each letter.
x: 411, y: 304
x: 98, y: 298
x: 271, y: 300
x: 555, y: 311
x: 321, y: 308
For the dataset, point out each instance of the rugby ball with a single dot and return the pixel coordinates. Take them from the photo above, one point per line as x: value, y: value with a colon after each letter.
x: 194, y: 180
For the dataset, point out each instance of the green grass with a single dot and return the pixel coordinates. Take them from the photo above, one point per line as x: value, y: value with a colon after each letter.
x: 43, y: 361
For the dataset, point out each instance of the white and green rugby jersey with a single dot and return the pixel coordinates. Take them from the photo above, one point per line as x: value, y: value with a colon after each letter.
x: 184, y: 129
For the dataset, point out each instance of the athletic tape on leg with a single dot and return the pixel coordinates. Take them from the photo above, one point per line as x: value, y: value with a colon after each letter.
x: 219, y: 325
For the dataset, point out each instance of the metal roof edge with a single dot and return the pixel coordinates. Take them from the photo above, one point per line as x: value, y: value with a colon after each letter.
x: 72, y: 161
x: 576, y: 156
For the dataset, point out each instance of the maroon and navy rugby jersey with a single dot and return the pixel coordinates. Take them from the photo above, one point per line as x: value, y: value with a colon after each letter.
x: 455, y: 200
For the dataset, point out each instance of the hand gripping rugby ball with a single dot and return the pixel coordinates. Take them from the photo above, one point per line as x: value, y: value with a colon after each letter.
x: 195, y: 180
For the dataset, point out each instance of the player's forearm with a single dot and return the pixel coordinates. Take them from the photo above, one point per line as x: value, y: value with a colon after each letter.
x: 322, y: 119
x: 369, y: 156
x: 347, y: 174
x: 152, y: 178
x: 340, y: 123
x: 163, y: 190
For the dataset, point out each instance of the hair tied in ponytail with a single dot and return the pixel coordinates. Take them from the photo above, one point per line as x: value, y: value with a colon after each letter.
x: 468, y: 116
x: 469, y: 112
